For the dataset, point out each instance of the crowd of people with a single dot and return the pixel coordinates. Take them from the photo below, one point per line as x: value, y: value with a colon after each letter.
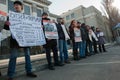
x: 84, y: 39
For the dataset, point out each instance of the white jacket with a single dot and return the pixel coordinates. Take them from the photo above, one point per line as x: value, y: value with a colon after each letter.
x: 92, y: 34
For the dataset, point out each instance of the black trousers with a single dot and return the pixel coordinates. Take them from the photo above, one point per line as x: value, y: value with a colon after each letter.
x: 95, y: 47
x: 75, y: 51
x: 0, y: 74
x: 102, y: 48
x: 87, y: 53
x: 55, y: 54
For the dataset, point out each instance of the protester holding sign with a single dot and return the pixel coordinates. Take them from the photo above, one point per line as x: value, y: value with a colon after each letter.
x: 63, y: 37
x: 51, y: 43
x: 14, y: 49
x: 75, y: 35
x: 50, y: 29
x: 101, y: 40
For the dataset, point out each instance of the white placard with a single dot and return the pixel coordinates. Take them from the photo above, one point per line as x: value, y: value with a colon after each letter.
x: 26, y: 29
x: 101, y: 34
x: 50, y: 29
x: 77, y: 34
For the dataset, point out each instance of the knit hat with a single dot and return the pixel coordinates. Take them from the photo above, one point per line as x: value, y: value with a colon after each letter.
x: 18, y: 2
x: 44, y: 14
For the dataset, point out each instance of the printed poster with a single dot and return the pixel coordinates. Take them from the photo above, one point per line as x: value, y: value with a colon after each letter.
x: 50, y: 29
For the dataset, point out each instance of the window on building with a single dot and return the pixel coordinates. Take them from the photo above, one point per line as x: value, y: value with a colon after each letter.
x: 67, y: 17
x: 10, y: 5
x: 3, y: 1
x: 72, y: 15
x: 39, y: 12
x: 67, y: 25
x: 27, y: 9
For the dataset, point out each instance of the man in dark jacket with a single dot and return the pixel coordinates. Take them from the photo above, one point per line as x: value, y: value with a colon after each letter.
x: 14, y: 49
x: 51, y: 44
x: 84, y: 38
x: 63, y: 37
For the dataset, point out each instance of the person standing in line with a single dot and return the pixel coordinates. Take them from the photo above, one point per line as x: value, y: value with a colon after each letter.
x: 75, y: 35
x: 94, y: 41
x: 14, y: 49
x: 90, y: 40
x: 84, y: 38
x: 51, y: 44
x: 101, y: 40
x: 63, y: 37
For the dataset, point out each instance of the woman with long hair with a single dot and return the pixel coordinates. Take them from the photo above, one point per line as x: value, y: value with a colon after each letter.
x: 75, y: 36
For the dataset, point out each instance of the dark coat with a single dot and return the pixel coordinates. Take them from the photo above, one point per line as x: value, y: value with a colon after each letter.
x: 13, y: 42
x: 72, y: 35
x: 84, y: 33
x: 60, y: 32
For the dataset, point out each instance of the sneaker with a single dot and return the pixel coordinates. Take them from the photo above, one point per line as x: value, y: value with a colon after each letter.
x: 82, y: 57
x: 105, y: 51
x: 67, y: 62
x: 59, y: 64
x: 88, y: 54
x: 31, y: 75
x: 51, y: 68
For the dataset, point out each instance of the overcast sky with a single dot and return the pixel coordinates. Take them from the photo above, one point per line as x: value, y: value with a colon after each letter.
x: 60, y: 6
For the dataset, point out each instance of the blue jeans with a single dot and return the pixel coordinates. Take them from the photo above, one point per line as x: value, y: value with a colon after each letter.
x: 12, y: 61
x: 63, y: 50
x: 76, y: 46
x: 91, y: 48
x: 82, y: 48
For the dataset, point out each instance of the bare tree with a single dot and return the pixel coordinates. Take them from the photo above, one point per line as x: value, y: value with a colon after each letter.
x: 112, y: 13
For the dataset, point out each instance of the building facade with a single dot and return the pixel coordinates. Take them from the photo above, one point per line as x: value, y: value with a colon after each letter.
x: 30, y: 7
x: 90, y: 16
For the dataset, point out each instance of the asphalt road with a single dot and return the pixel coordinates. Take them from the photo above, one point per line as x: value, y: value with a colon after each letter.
x: 103, y: 66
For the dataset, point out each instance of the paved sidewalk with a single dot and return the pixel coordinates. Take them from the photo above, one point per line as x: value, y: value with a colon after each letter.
x: 103, y: 66
x: 37, y: 61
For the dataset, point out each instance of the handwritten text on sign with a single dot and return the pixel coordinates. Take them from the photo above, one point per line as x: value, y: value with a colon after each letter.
x: 26, y: 29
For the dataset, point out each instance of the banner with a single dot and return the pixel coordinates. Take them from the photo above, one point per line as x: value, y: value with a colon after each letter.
x: 26, y: 29
x: 50, y: 29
